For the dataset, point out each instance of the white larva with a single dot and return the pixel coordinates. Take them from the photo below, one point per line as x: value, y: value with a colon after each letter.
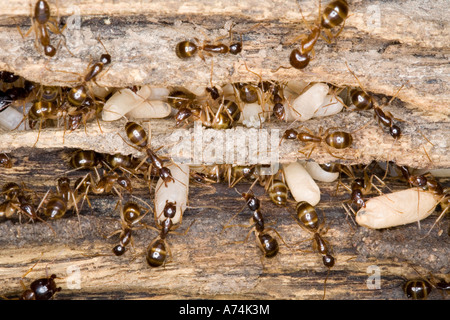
x: 300, y: 183
x: 317, y: 173
x: 10, y: 119
x: 397, y: 208
x: 252, y: 115
x: 100, y: 92
x: 121, y: 102
x: 438, y: 173
x: 157, y: 93
x: 176, y: 192
x: 150, y: 109
x: 308, y: 102
x: 330, y: 106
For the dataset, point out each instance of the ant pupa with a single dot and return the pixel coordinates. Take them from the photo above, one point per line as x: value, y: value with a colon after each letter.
x: 300, y: 183
x: 318, y: 173
x: 397, y: 208
x: 136, y: 105
x: 170, y: 204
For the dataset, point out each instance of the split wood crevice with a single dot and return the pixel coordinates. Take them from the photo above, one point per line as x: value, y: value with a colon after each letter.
x: 400, y: 44
x: 207, y: 262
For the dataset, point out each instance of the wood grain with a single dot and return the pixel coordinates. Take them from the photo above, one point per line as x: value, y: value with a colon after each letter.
x: 207, y: 262
x: 387, y: 44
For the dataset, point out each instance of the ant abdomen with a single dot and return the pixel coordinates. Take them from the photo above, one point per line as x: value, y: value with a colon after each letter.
x: 334, y: 14
x: 156, y: 253
x: 417, y: 289
x: 268, y: 244
x: 339, y: 139
x: 278, y: 192
x: 186, y: 49
x: 299, y: 60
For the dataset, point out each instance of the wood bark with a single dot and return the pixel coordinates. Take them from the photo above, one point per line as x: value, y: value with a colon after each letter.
x: 387, y: 44
x: 207, y: 262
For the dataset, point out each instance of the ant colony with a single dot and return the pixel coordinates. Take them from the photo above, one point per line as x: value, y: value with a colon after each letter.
x: 144, y: 205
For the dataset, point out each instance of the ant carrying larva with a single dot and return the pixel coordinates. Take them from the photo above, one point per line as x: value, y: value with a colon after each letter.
x: 170, y: 204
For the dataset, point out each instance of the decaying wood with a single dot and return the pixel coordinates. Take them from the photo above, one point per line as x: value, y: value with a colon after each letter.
x: 387, y: 44
x: 424, y: 138
x: 207, y: 262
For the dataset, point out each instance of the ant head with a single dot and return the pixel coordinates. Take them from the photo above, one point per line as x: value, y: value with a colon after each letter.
x: 119, y: 250
x: 105, y: 58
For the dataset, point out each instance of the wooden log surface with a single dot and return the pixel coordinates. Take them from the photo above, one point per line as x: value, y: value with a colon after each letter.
x: 387, y: 44
x: 207, y: 262
x: 424, y: 142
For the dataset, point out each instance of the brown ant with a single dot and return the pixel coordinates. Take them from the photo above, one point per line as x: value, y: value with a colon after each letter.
x: 137, y: 135
x: 130, y: 215
x: 334, y: 14
x: 428, y: 183
x: 308, y: 219
x: 187, y: 49
x: 419, y: 289
x: 40, y: 289
x: 364, y: 101
x: 337, y: 139
x: 5, y: 161
x: 359, y: 188
x: 41, y: 23
x: 268, y: 244
x: 158, y: 249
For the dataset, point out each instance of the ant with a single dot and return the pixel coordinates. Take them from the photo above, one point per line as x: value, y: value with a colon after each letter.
x: 360, y: 187
x: 276, y: 188
x: 137, y: 135
x: 84, y: 159
x: 268, y: 244
x: 337, y: 139
x: 187, y: 49
x: 5, y: 161
x: 41, y: 23
x: 235, y: 174
x: 158, y: 248
x: 130, y: 215
x: 308, y: 219
x: 364, y: 101
x: 18, y: 202
x: 428, y: 183
x: 40, y: 289
x: 334, y: 14
x: 65, y: 198
x: 419, y: 289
